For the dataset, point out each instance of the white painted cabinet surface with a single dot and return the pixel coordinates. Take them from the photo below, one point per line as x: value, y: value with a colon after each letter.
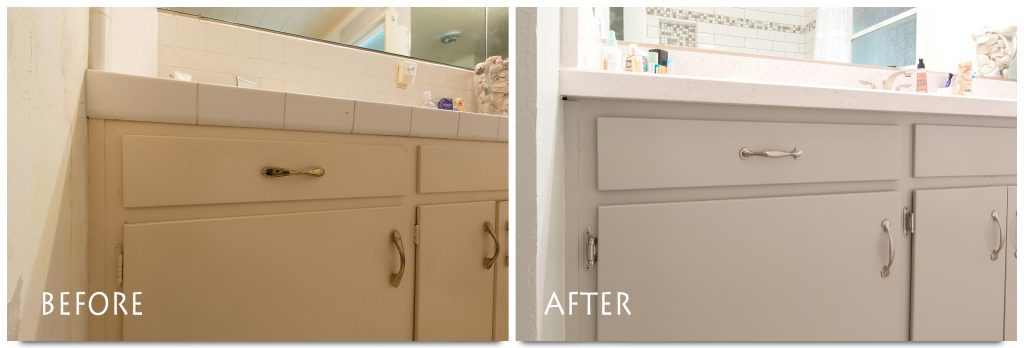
x: 788, y: 268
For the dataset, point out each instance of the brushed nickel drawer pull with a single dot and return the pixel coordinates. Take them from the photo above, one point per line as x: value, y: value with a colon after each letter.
x: 276, y: 172
x: 489, y: 261
x: 396, y: 278
x: 892, y: 249
x: 1002, y: 235
x: 746, y: 152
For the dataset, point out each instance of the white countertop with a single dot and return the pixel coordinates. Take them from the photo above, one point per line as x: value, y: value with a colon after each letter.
x: 149, y: 99
x: 640, y: 86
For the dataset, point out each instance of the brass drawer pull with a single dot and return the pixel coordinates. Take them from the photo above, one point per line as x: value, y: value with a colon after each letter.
x: 1002, y: 235
x: 275, y: 172
x: 746, y: 152
x: 489, y: 261
x: 892, y: 249
x: 396, y: 278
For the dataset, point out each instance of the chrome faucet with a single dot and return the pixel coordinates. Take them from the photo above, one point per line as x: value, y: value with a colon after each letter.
x: 887, y: 84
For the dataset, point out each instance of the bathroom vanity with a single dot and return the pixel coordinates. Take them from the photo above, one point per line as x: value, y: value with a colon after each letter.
x: 743, y: 211
x: 254, y: 215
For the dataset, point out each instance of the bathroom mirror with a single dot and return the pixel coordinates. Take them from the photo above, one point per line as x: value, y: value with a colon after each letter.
x: 876, y: 36
x: 457, y: 36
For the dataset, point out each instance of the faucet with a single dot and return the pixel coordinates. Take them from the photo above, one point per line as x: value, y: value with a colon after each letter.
x: 887, y: 84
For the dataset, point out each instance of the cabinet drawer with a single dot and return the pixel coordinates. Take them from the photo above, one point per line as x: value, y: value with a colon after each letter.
x: 168, y: 171
x: 307, y: 276
x: 964, y: 151
x: 637, y: 153
x: 766, y: 269
x: 461, y: 169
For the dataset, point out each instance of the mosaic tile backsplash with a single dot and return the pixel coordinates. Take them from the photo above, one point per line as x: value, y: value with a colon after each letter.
x: 782, y: 32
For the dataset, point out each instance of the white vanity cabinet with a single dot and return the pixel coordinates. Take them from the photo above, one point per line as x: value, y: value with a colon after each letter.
x: 732, y: 222
x: 959, y: 253
x: 789, y: 268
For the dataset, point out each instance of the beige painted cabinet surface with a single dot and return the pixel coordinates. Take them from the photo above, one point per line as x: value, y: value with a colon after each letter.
x: 787, y: 268
x: 501, y: 279
x: 959, y: 263
x: 455, y: 287
x: 1010, y: 311
x: 305, y: 276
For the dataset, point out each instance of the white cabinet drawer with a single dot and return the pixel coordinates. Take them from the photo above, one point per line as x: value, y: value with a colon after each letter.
x: 767, y: 269
x: 169, y: 171
x: 964, y: 151
x: 634, y: 153
x: 462, y: 169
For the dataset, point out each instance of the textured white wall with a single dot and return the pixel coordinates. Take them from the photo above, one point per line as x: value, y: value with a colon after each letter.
x: 540, y: 240
x: 123, y: 40
x: 46, y: 213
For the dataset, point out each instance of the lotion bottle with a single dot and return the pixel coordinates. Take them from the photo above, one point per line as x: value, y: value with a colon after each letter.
x: 611, y: 54
x: 922, y: 77
x: 633, y: 62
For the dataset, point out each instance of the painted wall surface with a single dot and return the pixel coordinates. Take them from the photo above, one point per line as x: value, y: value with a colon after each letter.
x: 123, y: 40
x: 540, y: 250
x: 217, y: 53
x: 47, y: 57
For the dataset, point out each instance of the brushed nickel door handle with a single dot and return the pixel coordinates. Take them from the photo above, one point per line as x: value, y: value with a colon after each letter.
x: 276, y: 172
x: 892, y: 249
x: 1002, y: 235
x: 489, y: 261
x: 746, y: 153
x: 396, y: 278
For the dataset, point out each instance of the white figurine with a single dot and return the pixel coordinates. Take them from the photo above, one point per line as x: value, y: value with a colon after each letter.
x: 997, y: 49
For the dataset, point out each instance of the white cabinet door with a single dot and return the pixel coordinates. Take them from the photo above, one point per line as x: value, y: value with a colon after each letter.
x: 296, y: 277
x: 1010, y: 321
x: 788, y: 268
x: 455, y: 290
x: 958, y: 286
x: 501, y: 278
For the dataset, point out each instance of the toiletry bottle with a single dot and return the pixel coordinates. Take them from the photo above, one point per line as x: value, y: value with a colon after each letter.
x: 633, y: 62
x: 428, y: 100
x: 922, y: 77
x: 652, y: 61
x: 611, y: 54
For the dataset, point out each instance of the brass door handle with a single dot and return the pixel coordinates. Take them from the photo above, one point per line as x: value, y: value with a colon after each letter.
x: 489, y: 261
x: 892, y: 249
x: 1002, y: 235
x: 276, y: 172
x: 746, y: 152
x: 396, y: 278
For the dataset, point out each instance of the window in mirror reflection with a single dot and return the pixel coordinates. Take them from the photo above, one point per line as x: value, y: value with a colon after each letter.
x: 455, y: 36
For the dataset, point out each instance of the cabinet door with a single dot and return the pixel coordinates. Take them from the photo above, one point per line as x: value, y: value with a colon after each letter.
x: 501, y: 278
x: 455, y: 291
x: 958, y: 287
x: 1010, y: 320
x: 305, y: 276
x: 788, y: 268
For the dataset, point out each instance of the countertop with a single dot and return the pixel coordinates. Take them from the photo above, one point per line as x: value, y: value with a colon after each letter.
x: 639, y: 86
x: 149, y: 99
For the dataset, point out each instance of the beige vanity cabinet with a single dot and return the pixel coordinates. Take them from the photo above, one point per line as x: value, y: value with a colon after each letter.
x: 787, y: 268
x: 959, y: 251
x: 298, y: 277
x: 1010, y: 312
x: 455, y: 271
x: 501, y: 276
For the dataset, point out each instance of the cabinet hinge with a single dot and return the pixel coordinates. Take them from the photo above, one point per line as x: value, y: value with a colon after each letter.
x: 908, y: 222
x: 591, y: 249
x: 416, y: 234
x: 119, y: 266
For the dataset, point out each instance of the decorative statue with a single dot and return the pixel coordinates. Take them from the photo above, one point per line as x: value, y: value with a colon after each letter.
x: 964, y: 77
x: 997, y: 49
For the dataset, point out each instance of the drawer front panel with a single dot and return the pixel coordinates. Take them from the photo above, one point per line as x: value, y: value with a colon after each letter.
x: 788, y: 268
x: 462, y: 169
x: 656, y: 153
x: 306, y: 276
x: 964, y: 151
x: 169, y: 171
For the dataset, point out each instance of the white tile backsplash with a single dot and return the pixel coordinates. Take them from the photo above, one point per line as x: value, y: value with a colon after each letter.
x: 218, y: 53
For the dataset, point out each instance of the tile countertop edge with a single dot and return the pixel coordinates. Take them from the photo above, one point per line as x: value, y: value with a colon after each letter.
x: 637, y: 86
x: 115, y: 107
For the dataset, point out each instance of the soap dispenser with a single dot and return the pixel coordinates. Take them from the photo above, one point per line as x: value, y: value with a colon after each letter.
x: 922, y: 77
